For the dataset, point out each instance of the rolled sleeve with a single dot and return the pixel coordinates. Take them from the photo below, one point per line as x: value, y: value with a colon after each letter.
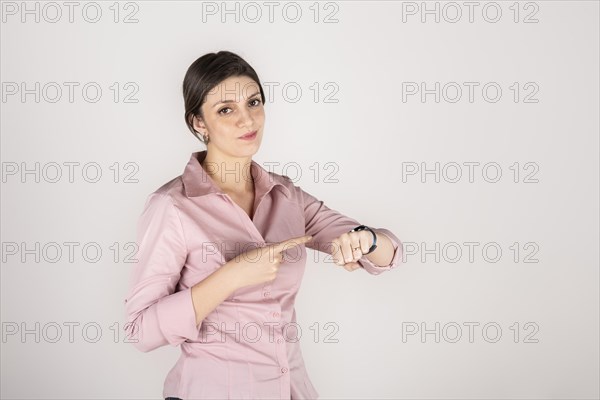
x: 326, y: 224
x: 177, y: 317
x: 156, y: 313
x: 374, y: 269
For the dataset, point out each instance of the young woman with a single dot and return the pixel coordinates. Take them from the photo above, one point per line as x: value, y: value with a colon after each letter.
x: 222, y: 251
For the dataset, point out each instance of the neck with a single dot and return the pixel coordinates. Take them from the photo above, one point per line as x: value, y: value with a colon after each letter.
x: 231, y: 174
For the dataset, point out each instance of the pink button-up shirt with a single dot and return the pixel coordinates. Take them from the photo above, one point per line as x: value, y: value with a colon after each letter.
x: 246, y: 348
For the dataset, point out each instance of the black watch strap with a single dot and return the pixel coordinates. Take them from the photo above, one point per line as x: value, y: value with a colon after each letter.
x: 362, y: 228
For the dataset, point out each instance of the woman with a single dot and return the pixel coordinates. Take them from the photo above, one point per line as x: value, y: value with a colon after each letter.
x: 222, y: 251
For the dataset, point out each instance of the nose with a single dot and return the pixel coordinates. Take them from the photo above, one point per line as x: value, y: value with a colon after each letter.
x: 245, y: 120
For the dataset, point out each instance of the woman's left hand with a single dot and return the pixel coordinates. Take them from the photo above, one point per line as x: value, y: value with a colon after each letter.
x: 349, y: 247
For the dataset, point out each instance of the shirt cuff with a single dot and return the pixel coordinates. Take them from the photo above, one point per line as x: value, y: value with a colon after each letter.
x: 373, y: 268
x: 177, y: 317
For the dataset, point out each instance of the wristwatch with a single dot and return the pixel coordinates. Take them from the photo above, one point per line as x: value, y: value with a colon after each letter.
x: 362, y: 228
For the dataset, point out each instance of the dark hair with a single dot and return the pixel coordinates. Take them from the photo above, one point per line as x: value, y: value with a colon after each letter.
x: 207, y: 72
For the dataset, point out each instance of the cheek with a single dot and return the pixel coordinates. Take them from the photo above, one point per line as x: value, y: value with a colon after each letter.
x: 259, y: 114
x: 260, y: 121
x: 225, y: 126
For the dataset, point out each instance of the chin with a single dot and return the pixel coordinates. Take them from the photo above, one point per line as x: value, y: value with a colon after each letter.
x: 249, y: 149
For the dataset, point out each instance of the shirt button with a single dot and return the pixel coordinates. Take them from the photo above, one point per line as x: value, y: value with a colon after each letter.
x: 266, y: 294
x: 284, y: 370
x: 280, y: 341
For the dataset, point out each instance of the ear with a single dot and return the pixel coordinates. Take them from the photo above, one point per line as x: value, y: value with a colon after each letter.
x: 198, y: 124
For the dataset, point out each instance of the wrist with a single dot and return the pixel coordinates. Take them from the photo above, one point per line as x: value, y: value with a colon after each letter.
x: 373, y: 233
x: 230, y: 275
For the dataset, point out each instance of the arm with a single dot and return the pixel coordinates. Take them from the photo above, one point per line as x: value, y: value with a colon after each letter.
x: 156, y: 315
x: 326, y: 224
x: 212, y: 291
x: 384, y: 254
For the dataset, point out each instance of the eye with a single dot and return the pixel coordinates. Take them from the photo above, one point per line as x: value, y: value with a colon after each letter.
x: 258, y: 102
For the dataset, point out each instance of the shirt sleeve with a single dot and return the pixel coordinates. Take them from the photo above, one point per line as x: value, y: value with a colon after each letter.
x: 156, y: 315
x: 326, y: 224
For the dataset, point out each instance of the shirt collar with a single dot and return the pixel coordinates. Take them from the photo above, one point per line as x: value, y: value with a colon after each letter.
x: 197, y: 182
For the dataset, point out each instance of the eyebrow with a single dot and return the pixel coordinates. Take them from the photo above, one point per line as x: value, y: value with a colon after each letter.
x: 233, y: 101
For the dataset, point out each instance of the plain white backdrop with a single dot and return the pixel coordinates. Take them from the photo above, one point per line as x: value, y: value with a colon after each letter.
x: 346, y: 83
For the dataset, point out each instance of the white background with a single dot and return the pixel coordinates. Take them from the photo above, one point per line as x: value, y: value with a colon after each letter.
x: 371, y: 135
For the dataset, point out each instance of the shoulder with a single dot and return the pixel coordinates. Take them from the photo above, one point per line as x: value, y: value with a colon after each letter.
x: 170, y: 191
x: 173, y: 187
x: 284, y: 184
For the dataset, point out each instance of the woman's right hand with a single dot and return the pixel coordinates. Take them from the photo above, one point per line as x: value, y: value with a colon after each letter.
x: 259, y: 265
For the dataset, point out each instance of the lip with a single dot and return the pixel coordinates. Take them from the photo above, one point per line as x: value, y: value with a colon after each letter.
x: 249, y: 135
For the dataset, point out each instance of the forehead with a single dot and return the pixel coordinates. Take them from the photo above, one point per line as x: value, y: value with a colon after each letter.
x: 233, y: 88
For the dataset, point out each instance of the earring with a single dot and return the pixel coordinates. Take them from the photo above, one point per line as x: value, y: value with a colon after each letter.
x: 206, y: 138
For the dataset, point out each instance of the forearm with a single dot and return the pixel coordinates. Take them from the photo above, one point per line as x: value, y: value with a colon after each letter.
x: 383, y: 254
x: 212, y: 291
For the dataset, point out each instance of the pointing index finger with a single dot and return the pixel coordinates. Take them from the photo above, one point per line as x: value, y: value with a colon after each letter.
x: 291, y: 242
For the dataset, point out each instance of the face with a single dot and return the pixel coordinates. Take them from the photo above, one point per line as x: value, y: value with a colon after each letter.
x: 232, y: 109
